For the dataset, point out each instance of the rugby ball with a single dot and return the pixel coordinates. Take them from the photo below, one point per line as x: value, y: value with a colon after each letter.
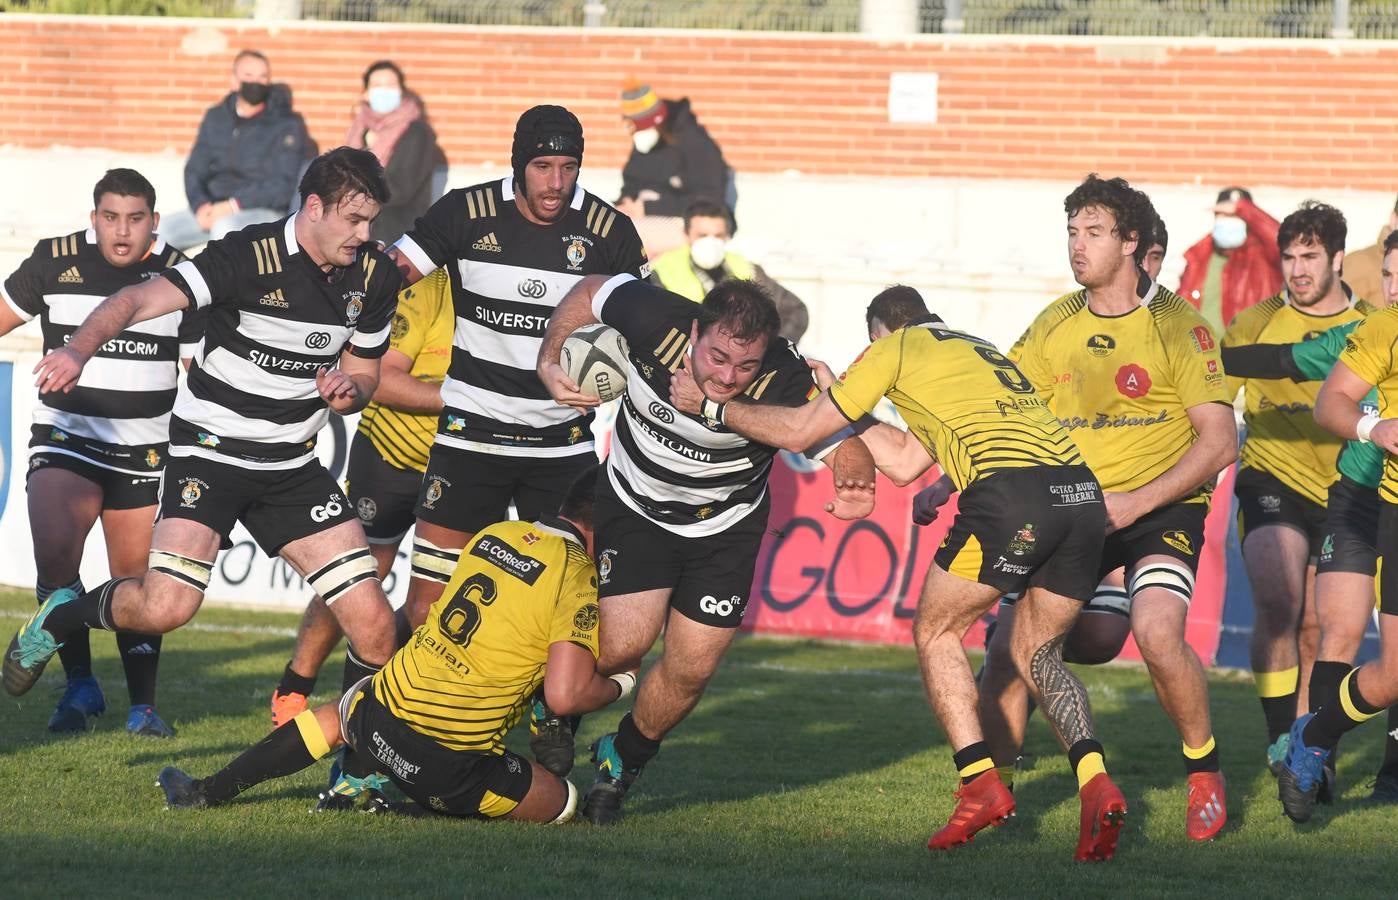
x: 594, y: 356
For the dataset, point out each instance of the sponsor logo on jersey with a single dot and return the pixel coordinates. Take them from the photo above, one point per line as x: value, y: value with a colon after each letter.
x: 434, y: 492
x: 400, y: 766
x: 1270, y: 503
x: 400, y: 327
x: 1179, y: 540
x: 488, y: 244
x: 1100, y: 345
x: 318, y: 340
x: 575, y: 434
x: 504, y: 557
x: 152, y: 459
x: 586, y: 618
x: 207, y: 440
x: 1023, y: 541
x: 1327, y: 548
x: 275, y: 299
x: 703, y: 512
x: 1004, y: 565
x: 1211, y: 365
x: 1105, y: 421
x: 1132, y: 381
x: 1201, y: 338
x: 191, y: 489
x: 328, y: 510
x: 354, y: 306
x: 532, y: 288
x: 723, y: 608
x: 71, y: 276
x: 58, y: 436
x: 604, y: 566
x: 366, y: 509
x: 576, y: 253
x: 455, y: 423
x: 660, y: 412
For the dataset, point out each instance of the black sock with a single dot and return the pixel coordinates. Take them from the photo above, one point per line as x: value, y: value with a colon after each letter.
x: 1390, y: 744
x: 1279, y: 712
x: 1326, y: 676
x: 355, y: 669
x: 1201, y: 759
x: 634, y: 748
x: 140, y: 657
x: 76, y: 652
x: 1333, y: 718
x: 972, y: 761
x: 93, y: 609
x: 293, y: 683
x: 283, y: 752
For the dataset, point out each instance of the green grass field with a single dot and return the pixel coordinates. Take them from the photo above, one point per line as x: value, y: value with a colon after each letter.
x: 809, y: 770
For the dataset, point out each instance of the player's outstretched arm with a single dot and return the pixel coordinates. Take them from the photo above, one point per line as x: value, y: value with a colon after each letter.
x: 572, y: 684
x: 349, y: 387
x: 573, y: 312
x: 1337, y: 410
x: 1215, y: 448
x: 899, y: 456
x: 853, y: 466
x: 791, y: 428
x: 60, y: 368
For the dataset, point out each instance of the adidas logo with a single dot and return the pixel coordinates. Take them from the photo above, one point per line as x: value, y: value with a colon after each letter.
x: 276, y: 299
x: 71, y: 276
x: 488, y: 243
x: 144, y: 649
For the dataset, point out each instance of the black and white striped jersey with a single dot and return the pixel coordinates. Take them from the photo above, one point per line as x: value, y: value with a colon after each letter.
x: 273, y: 319
x: 126, y: 390
x: 676, y: 469
x: 507, y: 276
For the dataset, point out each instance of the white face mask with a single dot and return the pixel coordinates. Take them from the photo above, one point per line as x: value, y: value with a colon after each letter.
x: 645, y: 139
x: 707, y: 252
x: 1229, y: 232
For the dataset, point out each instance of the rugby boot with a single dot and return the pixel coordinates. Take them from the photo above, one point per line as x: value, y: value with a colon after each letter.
x: 1103, y: 814
x: 81, y: 698
x: 602, y: 805
x: 1302, y: 771
x: 1276, y: 754
x: 32, y: 647
x: 1385, y: 788
x: 288, y: 706
x: 350, y: 792
x: 181, y: 791
x: 551, y: 737
x: 1208, y: 806
x: 143, y: 720
x: 984, y: 801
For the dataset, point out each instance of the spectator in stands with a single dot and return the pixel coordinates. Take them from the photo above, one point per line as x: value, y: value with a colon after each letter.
x: 1237, y: 265
x: 391, y: 121
x: 246, y: 161
x: 673, y: 163
x: 692, y: 270
x: 1363, y: 267
x: 1155, y: 256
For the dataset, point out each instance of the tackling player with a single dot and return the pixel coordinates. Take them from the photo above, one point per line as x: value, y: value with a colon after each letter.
x: 298, y: 314
x: 519, y: 613
x: 1031, y: 517
x: 1132, y: 371
x: 97, y: 452
x: 1287, y: 464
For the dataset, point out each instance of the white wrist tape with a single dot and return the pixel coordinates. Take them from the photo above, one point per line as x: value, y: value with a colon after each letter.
x: 624, y: 680
x: 1365, y: 426
x: 712, y: 411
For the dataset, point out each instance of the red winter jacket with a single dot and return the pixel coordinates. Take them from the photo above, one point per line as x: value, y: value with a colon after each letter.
x: 1252, y: 272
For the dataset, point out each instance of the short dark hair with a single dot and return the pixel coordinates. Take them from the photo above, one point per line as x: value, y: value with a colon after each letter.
x: 1135, y: 216
x: 124, y: 183
x: 743, y: 309
x: 1230, y: 194
x: 1314, y: 222
x: 1390, y: 242
x: 380, y: 66
x: 253, y: 54
x: 896, y: 306
x: 342, y: 173
x: 704, y: 208
x: 581, y: 496
x: 1162, y: 237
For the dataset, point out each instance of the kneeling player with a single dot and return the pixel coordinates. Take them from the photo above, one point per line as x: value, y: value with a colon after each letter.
x: 520, y: 610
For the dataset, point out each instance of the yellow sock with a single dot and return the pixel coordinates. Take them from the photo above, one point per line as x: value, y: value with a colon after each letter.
x: 1089, y: 767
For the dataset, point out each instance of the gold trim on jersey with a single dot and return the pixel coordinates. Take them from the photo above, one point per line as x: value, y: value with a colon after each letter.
x: 65, y: 246
x: 369, y: 263
x: 758, y: 387
x: 600, y: 218
x: 269, y: 258
x: 671, y: 349
x: 480, y: 203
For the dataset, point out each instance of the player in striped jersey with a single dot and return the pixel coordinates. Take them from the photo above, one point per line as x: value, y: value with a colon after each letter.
x: 1288, y: 463
x: 386, y: 463
x: 299, y: 312
x: 98, y: 452
x: 519, y: 614
x: 513, y: 248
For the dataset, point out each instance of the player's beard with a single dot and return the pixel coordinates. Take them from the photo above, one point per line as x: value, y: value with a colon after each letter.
x: 535, y: 204
x: 1321, y: 286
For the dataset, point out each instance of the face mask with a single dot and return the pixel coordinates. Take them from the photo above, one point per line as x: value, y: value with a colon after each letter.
x: 1229, y: 232
x: 254, y: 92
x: 384, y: 99
x: 646, y: 139
x: 707, y: 252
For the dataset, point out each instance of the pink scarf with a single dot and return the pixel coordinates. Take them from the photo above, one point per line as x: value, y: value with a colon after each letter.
x: 387, y: 127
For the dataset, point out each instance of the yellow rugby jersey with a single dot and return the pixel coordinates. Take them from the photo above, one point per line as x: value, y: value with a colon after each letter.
x: 1121, y: 384
x: 1283, y: 438
x: 468, y: 672
x: 422, y: 331
x: 972, y: 409
x: 1369, y: 353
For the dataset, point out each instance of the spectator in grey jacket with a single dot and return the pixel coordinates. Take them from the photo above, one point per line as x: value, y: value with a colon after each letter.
x: 246, y: 161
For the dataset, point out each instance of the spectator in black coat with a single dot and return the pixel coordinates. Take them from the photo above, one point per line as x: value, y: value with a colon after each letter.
x: 246, y: 161
x: 391, y: 121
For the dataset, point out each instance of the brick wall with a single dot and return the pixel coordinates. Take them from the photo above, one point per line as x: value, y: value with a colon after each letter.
x: 1300, y: 113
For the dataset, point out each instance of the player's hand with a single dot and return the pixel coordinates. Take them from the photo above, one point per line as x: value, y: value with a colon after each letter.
x: 823, y: 375
x: 337, y: 389
x: 1385, y: 435
x: 59, y: 370
x: 685, y: 393
x: 930, y: 499
x: 853, y: 499
x: 1122, y: 510
x: 564, y: 389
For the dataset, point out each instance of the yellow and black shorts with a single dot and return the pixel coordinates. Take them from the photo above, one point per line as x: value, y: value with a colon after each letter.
x: 1033, y: 527
x: 1351, y: 529
x: 470, y: 784
x: 1264, y: 500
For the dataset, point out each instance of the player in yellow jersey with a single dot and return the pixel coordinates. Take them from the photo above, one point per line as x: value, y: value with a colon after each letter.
x: 386, y: 464
x: 1287, y: 466
x: 519, y: 611
x: 1133, y: 372
x: 1031, y: 517
x: 1362, y: 693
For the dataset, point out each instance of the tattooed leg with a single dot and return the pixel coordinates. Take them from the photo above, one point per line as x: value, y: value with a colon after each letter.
x: 1063, y: 696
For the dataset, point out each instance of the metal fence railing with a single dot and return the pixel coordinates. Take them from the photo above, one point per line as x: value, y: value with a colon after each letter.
x: 1373, y: 19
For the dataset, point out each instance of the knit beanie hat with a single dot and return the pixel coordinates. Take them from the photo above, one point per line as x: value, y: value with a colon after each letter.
x: 641, y: 105
x: 545, y: 131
